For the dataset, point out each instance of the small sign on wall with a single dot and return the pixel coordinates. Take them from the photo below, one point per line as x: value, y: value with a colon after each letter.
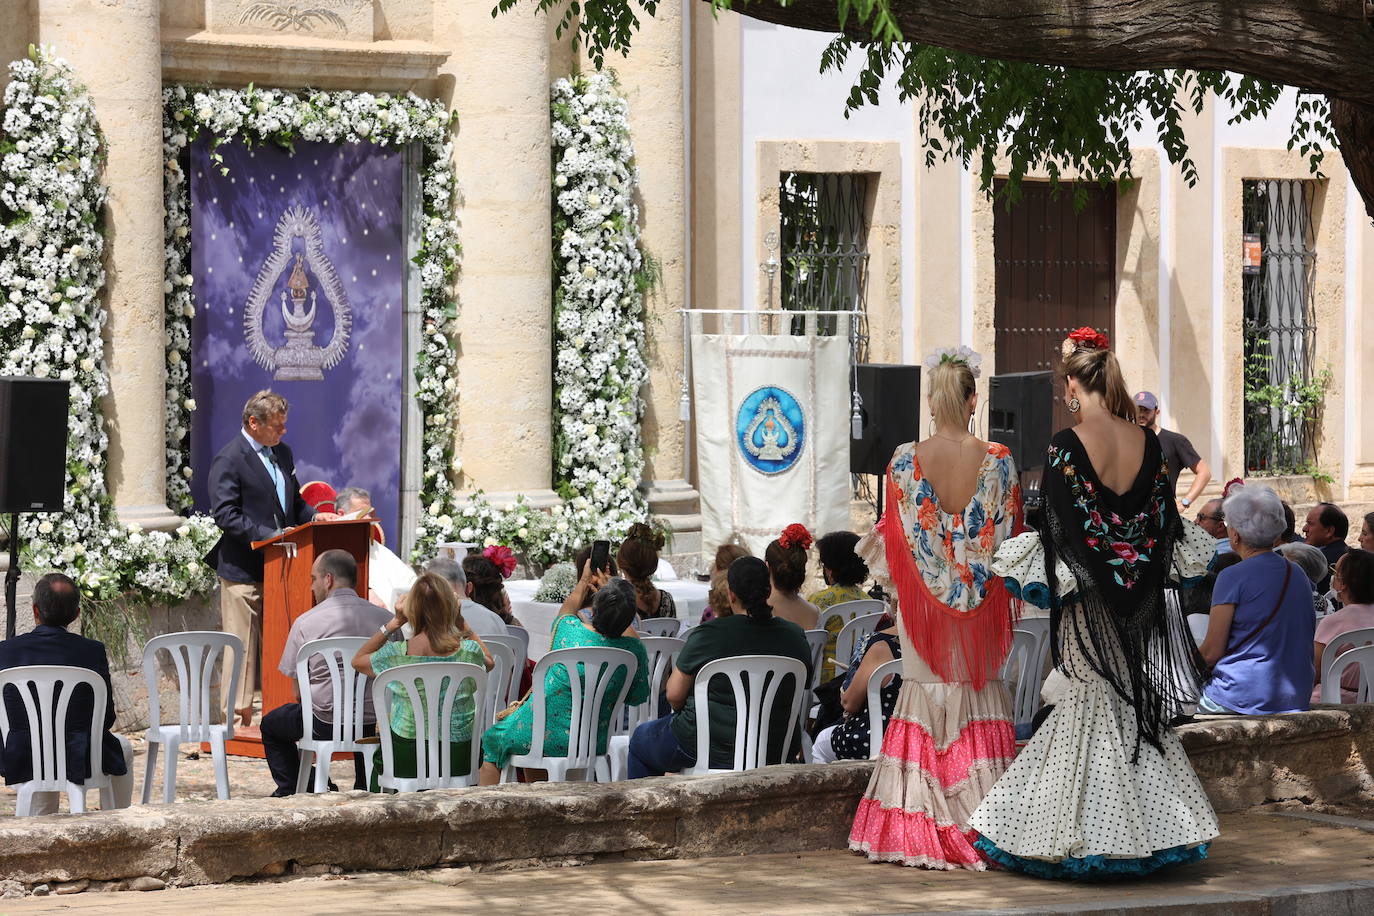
x: 1252, y: 253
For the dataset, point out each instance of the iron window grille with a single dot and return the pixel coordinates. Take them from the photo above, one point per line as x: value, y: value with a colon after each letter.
x: 824, y: 235
x: 1281, y: 417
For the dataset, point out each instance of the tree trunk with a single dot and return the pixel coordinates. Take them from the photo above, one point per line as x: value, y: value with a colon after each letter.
x: 1354, y: 126
x: 1321, y: 45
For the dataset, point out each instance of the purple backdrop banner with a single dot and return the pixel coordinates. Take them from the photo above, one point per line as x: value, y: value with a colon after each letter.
x: 299, y: 262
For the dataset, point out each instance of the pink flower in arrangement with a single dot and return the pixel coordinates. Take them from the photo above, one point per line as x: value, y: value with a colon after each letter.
x: 1125, y: 551
x: 503, y: 557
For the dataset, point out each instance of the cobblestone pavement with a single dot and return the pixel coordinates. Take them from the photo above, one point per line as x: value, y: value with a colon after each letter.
x: 1253, y: 868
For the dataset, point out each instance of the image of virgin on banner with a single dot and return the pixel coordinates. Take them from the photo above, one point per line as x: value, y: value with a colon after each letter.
x: 298, y: 260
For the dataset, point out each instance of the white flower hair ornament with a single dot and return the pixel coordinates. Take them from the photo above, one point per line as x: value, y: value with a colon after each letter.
x: 960, y: 354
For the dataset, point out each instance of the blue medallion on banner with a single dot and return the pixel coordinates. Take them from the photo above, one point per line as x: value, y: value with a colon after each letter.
x: 770, y: 429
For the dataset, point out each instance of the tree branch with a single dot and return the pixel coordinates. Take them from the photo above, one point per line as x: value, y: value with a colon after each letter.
x: 1354, y: 127
x: 1322, y: 45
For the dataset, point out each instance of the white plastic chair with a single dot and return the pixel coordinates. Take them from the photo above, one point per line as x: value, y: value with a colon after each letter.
x: 755, y: 703
x: 589, y: 692
x: 876, y: 729
x: 348, y: 691
x: 659, y: 626
x: 1356, y: 638
x: 846, y: 611
x: 1023, y: 666
x: 522, y: 650
x: 816, y: 639
x: 432, y: 688
x: 1363, y: 656
x: 853, y: 635
x: 46, y: 692
x: 502, y: 685
x: 662, y: 652
x: 194, y: 654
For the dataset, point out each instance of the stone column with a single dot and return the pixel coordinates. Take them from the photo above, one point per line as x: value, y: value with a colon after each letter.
x: 115, y: 49
x: 497, y: 79
x: 14, y: 37
x: 652, y: 80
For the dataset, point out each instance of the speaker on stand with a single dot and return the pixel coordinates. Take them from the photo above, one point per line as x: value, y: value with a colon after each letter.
x: 1020, y: 416
x: 33, y: 460
x: 890, y: 414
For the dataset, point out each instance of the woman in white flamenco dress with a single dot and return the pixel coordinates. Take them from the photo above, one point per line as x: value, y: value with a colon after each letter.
x: 1104, y: 786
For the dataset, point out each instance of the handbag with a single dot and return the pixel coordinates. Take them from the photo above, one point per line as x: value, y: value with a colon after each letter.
x: 512, y: 707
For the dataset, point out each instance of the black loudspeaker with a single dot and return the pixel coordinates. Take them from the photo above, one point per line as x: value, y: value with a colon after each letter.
x: 1020, y: 414
x: 33, y: 444
x: 891, y: 415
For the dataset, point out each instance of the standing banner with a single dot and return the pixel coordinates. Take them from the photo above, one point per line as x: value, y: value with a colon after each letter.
x: 772, y: 434
x: 298, y: 259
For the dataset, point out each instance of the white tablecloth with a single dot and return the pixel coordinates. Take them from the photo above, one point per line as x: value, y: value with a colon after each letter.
x: 538, y: 616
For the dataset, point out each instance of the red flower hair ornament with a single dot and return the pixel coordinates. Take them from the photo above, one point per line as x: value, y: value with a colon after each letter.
x: 1085, y: 338
x: 796, y: 535
x: 1235, y: 483
x: 503, y: 557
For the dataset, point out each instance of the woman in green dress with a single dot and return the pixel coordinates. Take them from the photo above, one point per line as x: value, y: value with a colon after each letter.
x: 441, y: 635
x: 613, y: 610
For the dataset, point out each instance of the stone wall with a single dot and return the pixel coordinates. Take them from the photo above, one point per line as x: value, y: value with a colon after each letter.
x: 1320, y: 756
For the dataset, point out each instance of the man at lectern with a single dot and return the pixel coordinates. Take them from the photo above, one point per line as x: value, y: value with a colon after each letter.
x: 254, y: 494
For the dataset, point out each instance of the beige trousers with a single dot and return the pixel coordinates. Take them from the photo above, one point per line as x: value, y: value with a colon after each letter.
x: 240, y: 609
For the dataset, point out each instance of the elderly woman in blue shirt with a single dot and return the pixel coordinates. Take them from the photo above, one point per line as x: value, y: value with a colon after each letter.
x: 1261, y: 620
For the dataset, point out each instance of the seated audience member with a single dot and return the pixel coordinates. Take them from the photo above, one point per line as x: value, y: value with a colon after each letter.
x: 1213, y: 520
x: 1326, y: 529
x: 487, y: 587
x: 580, y: 560
x: 786, y: 559
x: 482, y: 621
x: 638, y: 559
x: 1313, y: 564
x: 1290, y: 531
x: 387, y: 574
x: 668, y: 744
x: 56, y: 605
x: 1367, y: 532
x: 1261, y: 620
x: 441, y: 635
x: 844, y: 574
x: 849, y: 740
x: 338, y: 611
x: 718, y: 597
x: 613, y: 608
x: 1353, y: 580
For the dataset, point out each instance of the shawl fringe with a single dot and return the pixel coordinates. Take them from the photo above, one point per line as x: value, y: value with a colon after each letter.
x: 957, y: 645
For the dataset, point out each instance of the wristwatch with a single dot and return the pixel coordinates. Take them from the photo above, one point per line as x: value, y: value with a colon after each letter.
x: 1186, y: 502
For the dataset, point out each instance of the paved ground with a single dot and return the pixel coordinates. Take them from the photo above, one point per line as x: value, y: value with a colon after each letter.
x: 1258, y: 854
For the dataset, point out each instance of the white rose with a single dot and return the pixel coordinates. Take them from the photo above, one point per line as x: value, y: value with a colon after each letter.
x: 189, y: 403
x: 490, y: 542
x: 45, y: 527
x: 182, y: 231
x: 561, y: 181
x: 186, y: 472
x: 466, y: 534
x: 589, y: 272
x: 174, y: 357
x: 522, y: 533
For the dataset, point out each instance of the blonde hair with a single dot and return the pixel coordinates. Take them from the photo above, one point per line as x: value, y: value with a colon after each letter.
x: 432, y: 608
x: 719, y: 595
x: 1099, y: 373
x: 263, y: 406
x: 951, y: 384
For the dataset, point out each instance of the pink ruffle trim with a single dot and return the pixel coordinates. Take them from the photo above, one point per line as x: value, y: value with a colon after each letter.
x: 912, y: 838
x: 979, y: 741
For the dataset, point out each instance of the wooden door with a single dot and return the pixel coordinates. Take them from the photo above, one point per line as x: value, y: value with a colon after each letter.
x: 1056, y: 271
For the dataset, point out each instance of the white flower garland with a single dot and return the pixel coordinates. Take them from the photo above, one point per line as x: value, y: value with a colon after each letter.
x: 599, y: 339
x: 52, y: 200
x: 258, y: 116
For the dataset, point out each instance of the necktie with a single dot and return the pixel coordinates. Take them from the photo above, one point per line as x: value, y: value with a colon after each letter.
x: 278, y: 480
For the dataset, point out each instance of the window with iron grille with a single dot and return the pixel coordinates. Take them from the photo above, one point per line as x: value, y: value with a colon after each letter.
x: 1283, y: 392
x: 824, y: 235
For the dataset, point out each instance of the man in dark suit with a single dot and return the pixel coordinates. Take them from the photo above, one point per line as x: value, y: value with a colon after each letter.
x: 56, y: 604
x: 253, y: 494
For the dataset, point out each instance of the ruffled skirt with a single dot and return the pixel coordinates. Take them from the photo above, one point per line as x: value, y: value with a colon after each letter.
x: 944, y: 748
x: 1074, y: 805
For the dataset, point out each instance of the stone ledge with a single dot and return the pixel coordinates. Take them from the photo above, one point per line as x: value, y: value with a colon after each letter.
x: 1317, y: 756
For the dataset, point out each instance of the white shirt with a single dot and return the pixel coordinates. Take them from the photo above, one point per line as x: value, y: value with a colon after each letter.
x: 483, y: 621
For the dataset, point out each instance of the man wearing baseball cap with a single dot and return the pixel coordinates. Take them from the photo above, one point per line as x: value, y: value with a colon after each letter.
x: 1178, y: 451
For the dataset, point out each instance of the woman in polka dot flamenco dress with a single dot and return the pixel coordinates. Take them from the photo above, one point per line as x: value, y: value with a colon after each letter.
x: 952, y: 499
x: 1104, y: 787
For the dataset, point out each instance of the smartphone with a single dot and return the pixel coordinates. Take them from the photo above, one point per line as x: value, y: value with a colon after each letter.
x: 601, y: 555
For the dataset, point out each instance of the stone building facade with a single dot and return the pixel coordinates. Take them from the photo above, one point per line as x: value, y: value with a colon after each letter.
x: 722, y: 108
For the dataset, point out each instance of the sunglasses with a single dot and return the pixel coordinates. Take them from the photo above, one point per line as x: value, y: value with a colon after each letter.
x: 1203, y: 516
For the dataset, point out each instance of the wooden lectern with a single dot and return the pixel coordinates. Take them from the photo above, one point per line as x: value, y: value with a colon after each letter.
x: 287, y: 561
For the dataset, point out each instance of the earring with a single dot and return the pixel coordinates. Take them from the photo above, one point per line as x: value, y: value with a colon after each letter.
x: 970, y: 424
x: 1074, y: 405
